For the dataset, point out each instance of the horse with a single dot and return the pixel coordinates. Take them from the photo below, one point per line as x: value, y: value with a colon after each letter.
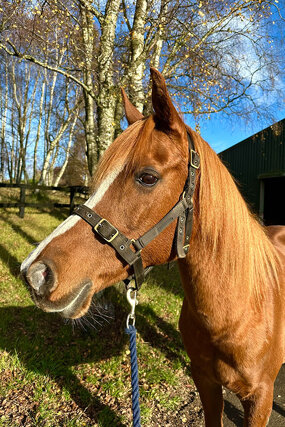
x: 232, y: 320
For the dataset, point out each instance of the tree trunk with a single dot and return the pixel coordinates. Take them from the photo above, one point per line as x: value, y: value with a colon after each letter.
x: 106, y: 102
x: 63, y: 167
x: 89, y: 124
x: 39, y: 128
x: 53, y: 144
x: 3, y: 148
x: 137, y: 60
x: 156, y: 52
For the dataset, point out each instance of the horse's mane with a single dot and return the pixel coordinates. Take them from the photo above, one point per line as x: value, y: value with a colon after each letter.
x: 224, y: 224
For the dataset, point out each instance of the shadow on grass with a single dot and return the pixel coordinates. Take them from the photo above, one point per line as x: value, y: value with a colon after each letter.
x: 163, y: 336
x: 47, y: 197
x: 5, y: 256
x: 168, y: 277
x: 10, y: 260
x: 17, y: 229
x: 47, y: 346
x: 59, y: 213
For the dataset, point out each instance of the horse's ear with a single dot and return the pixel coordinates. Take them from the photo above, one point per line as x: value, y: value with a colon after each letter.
x: 132, y: 113
x: 165, y: 113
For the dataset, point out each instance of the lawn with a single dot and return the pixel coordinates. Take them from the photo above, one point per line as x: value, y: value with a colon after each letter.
x: 56, y: 373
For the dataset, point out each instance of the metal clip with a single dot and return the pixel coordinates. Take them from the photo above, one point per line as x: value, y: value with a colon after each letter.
x: 133, y: 302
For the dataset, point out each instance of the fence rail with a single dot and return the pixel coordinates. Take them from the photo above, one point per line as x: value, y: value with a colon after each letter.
x: 22, y: 204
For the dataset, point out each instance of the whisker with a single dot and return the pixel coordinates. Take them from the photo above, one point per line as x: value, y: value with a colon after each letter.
x: 99, y: 313
x: 90, y: 323
x: 105, y: 315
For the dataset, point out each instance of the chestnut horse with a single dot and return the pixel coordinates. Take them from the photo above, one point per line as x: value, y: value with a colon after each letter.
x: 233, y: 318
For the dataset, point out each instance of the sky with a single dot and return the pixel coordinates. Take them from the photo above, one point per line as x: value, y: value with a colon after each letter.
x: 222, y: 133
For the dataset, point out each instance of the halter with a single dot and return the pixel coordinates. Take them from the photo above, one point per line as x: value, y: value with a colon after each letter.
x: 183, y: 211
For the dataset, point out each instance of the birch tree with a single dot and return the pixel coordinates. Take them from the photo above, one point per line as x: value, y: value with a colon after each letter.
x: 36, y: 117
x: 216, y: 56
x: 4, y: 87
x: 67, y: 150
x: 39, y: 125
x: 59, y: 130
x: 24, y: 91
x: 87, y: 26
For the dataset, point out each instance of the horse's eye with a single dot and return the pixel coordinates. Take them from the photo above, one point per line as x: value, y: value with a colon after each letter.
x: 147, y: 179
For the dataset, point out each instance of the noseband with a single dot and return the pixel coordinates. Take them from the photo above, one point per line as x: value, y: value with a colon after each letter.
x: 182, y: 211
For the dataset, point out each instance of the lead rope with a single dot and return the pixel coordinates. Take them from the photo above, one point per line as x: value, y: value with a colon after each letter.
x: 131, y: 331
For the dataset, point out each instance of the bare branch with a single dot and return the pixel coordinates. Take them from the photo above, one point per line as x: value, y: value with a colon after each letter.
x: 36, y: 61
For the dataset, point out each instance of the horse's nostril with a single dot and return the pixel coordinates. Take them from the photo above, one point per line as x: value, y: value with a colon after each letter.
x: 40, y: 277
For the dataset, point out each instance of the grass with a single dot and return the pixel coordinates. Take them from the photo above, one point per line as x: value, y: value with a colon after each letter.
x: 58, y: 374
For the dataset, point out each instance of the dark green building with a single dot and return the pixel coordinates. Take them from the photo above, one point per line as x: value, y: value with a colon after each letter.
x: 258, y: 165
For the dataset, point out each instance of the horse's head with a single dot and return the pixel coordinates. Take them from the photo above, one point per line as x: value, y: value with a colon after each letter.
x: 140, y: 178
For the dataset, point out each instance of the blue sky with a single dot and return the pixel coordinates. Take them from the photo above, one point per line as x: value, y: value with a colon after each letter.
x: 222, y: 133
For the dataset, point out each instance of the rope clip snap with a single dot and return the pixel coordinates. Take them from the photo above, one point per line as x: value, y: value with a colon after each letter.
x: 132, y: 299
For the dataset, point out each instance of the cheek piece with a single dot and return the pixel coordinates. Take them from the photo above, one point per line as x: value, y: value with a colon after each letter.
x: 130, y: 249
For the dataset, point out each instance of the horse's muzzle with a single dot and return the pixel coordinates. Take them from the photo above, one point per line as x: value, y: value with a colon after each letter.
x: 42, y: 280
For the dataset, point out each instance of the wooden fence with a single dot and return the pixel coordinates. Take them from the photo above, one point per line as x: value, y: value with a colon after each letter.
x: 22, y: 204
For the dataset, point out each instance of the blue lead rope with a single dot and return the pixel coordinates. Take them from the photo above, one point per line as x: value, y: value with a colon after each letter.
x: 131, y: 330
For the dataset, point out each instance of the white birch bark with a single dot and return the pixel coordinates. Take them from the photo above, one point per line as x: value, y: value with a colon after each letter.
x: 53, y: 144
x: 29, y: 116
x: 89, y: 124
x: 20, y: 128
x: 54, y: 156
x: 160, y: 34
x: 3, y: 147
x: 38, y: 134
x: 24, y: 95
x: 49, y: 110
x: 137, y: 60
x: 67, y: 152
x: 11, y: 159
x: 53, y: 147
x: 50, y: 145
x: 154, y: 50
x: 106, y: 100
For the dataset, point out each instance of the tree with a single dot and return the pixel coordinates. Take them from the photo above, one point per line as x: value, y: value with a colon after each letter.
x: 216, y: 56
x: 39, y: 107
x: 35, y: 109
x: 3, y: 112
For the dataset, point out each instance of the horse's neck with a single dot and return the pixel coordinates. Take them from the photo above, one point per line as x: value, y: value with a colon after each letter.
x: 212, y: 299
x: 230, y: 258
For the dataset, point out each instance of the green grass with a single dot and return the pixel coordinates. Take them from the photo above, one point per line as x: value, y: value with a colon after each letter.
x: 57, y: 374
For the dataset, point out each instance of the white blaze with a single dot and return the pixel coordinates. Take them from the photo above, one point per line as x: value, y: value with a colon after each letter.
x: 71, y: 220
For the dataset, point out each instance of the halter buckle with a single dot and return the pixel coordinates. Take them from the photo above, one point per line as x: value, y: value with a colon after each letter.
x: 114, y: 232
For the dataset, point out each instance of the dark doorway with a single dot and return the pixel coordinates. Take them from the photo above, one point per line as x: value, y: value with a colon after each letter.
x: 274, y: 200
